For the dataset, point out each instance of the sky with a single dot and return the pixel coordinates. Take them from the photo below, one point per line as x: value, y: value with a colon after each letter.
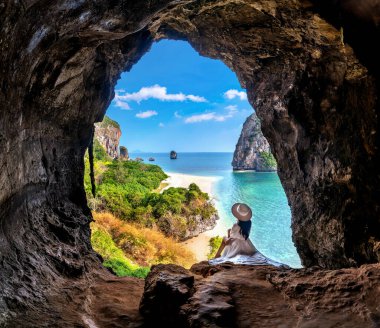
x: 174, y: 99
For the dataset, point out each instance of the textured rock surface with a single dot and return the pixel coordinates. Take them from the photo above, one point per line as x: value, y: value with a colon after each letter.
x: 247, y: 296
x: 108, y: 134
x: 124, y: 153
x: 250, y: 146
x: 316, y: 100
x: 101, y: 301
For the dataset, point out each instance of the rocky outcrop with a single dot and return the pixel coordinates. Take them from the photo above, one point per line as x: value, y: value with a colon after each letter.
x: 316, y: 97
x: 124, y: 153
x: 185, y: 227
x: 108, y: 134
x: 173, y: 155
x: 230, y: 295
x: 252, y: 151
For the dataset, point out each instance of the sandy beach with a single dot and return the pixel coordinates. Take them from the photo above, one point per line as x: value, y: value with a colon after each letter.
x: 199, y: 245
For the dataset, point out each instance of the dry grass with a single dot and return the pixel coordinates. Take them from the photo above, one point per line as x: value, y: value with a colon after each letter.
x: 143, y: 245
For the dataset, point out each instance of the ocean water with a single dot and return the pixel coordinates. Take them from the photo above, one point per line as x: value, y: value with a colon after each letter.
x: 263, y: 192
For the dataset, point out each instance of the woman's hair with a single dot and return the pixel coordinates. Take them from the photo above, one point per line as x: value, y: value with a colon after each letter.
x: 245, y: 228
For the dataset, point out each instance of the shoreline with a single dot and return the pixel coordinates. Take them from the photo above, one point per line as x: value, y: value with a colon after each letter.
x: 199, y: 244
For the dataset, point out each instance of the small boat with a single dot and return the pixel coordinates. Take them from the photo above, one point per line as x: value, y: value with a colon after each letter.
x: 151, y: 159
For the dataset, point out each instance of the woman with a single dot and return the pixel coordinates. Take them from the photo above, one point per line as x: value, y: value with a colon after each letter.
x: 237, y: 242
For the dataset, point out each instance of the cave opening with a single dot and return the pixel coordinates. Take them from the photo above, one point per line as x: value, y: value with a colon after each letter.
x: 316, y: 99
x: 173, y: 98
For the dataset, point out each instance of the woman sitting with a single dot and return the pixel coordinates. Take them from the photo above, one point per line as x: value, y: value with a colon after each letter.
x: 237, y: 242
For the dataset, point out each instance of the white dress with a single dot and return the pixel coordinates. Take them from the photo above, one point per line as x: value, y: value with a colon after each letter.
x: 238, y: 245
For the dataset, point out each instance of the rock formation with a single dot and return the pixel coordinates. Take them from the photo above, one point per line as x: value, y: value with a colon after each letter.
x: 108, y: 134
x: 252, y: 151
x: 124, y: 153
x: 173, y: 155
x: 230, y: 295
x: 316, y: 97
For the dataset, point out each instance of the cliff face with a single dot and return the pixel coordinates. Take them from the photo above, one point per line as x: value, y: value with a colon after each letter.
x: 317, y: 100
x: 108, y: 134
x: 252, y: 151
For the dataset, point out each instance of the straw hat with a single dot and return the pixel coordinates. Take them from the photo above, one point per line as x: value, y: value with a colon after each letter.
x: 241, y: 211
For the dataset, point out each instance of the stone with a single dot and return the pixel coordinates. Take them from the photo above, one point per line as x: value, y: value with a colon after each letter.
x: 252, y: 150
x: 316, y: 97
x: 173, y: 155
x: 124, y: 156
x: 230, y: 295
x: 108, y: 134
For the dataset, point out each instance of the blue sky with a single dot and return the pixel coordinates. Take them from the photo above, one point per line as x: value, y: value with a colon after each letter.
x: 175, y: 99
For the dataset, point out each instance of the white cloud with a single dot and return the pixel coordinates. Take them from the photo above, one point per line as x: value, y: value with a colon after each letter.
x: 177, y: 115
x: 233, y: 93
x: 121, y: 104
x: 207, y: 117
x: 146, y: 114
x: 231, y: 108
x: 161, y: 125
x: 157, y: 92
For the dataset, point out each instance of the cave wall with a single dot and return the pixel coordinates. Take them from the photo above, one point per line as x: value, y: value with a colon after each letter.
x: 60, y: 62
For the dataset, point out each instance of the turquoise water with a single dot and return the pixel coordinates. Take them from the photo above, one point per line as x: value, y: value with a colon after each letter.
x: 263, y: 192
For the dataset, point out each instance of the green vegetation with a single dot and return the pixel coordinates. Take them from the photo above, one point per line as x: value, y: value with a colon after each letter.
x: 269, y: 160
x: 126, y: 189
x: 214, y: 244
x: 129, y: 249
x: 136, y: 223
x: 108, y: 122
x: 100, y: 153
x: 113, y: 256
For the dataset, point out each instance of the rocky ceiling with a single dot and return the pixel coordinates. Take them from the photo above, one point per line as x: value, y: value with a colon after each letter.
x: 313, y: 84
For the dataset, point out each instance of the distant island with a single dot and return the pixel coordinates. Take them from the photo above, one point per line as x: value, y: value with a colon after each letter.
x: 252, y: 151
x: 173, y: 155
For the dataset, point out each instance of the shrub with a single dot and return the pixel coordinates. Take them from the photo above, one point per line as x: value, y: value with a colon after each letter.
x: 141, y: 245
x: 269, y: 160
x: 214, y: 244
x: 113, y: 256
x: 127, y: 189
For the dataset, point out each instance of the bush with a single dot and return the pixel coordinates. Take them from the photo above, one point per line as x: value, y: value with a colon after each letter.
x: 141, y: 245
x: 269, y: 160
x: 127, y: 189
x: 113, y: 256
x: 214, y: 244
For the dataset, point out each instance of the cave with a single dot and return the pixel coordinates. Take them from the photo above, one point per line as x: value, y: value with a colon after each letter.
x: 312, y: 75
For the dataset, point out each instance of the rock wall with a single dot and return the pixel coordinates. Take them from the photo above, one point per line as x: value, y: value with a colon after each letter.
x: 317, y: 100
x: 108, y: 134
x: 230, y: 295
x: 252, y: 151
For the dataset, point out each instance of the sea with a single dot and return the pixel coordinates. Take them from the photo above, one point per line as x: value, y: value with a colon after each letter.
x: 263, y: 192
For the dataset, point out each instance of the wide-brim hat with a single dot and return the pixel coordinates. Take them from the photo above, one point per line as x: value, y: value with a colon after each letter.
x: 241, y: 211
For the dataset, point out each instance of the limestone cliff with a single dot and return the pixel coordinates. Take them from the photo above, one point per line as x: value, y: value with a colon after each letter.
x: 108, y: 134
x: 252, y: 151
x: 316, y: 97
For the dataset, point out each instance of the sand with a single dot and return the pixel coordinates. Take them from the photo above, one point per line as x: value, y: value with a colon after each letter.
x: 199, y: 245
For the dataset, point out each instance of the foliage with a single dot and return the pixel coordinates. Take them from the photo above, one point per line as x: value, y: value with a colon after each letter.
x: 109, y: 122
x: 100, y: 153
x: 126, y: 189
x: 142, y: 245
x: 214, y: 244
x: 269, y: 160
x: 113, y: 256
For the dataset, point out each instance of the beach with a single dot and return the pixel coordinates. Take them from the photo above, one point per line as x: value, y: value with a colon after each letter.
x: 199, y: 245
